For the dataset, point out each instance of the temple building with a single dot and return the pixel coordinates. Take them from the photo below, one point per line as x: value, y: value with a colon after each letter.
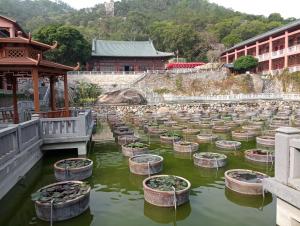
x: 126, y: 56
x: 275, y: 50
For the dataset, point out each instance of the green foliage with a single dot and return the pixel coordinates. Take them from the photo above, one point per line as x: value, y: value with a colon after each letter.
x: 72, y: 47
x: 86, y: 93
x: 179, y: 86
x: 162, y: 91
x: 245, y: 63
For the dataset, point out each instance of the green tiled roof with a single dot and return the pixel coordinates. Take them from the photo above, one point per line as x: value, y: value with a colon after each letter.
x: 126, y: 49
x: 266, y: 34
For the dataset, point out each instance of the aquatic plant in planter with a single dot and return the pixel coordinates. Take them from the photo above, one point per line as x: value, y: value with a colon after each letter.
x: 73, y: 169
x: 210, y: 159
x: 61, y: 201
x: 133, y: 149
x: 260, y: 156
x: 166, y: 190
x: 185, y: 147
x: 146, y: 164
x: 170, y: 137
x: 243, y: 181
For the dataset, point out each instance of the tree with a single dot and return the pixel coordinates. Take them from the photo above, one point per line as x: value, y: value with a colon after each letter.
x: 72, y: 47
x: 245, y: 63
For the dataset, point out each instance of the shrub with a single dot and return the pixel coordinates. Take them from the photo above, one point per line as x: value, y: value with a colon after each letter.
x: 245, y: 63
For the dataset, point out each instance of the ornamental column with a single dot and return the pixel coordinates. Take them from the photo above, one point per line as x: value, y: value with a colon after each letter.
x: 35, y: 82
x: 286, y: 45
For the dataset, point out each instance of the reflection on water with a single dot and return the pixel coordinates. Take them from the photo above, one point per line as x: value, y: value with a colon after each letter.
x: 167, y: 215
x: 117, y: 195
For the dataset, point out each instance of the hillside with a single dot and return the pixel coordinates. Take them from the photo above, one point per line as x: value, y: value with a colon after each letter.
x: 191, y: 26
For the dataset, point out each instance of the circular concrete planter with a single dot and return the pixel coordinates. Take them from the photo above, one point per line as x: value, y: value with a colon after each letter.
x: 205, y: 125
x: 185, y: 147
x: 134, y: 149
x: 228, y: 145
x: 221, y: 129
x: 209, y: 160
x: 170, y: 123
x: 127, y: 139
x: 191, y: 131
x: 268, y: 141
x: 156, y: 131
x: 242, y: 135
x: 146, y: 164
x: 168, y: 198
x: 64, y: 207
x: 245, y: 182
x: 260, y: 156
x: 123, y: 130
x: 178, y: 127
x: 73, y: 169
x: 206, y: 138
x: 168, y: 138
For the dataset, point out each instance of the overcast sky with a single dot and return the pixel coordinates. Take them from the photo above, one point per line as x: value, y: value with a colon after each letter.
x: 287, y: 8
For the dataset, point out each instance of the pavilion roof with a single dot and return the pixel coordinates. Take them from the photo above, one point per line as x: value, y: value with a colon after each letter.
x: 26, y: 61
x: 16, y: 24
x: 107, y: 48
x: 29, y: 41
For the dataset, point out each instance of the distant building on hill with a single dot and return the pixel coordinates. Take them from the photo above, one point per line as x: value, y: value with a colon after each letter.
x: 126, y: 56
x: 275, y: 50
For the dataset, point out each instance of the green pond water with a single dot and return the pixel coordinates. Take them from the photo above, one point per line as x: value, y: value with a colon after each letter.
x: 117, y: 195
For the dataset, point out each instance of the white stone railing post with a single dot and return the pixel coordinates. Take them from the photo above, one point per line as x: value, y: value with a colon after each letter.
x: 282, y: 152
x: 81, y: 123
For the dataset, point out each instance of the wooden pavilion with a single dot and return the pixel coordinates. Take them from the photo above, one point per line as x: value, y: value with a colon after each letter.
x: 20, y: 56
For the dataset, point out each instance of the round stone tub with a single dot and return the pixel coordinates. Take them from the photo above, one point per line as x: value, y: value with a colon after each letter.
x: 245, y: 182
x: 229, y: 145
x: 169, y: 138
x: 166, y: 197
x: 206, y: 138
x: 191, y: 131
x: 221, y: 129
x: 185, y: 147
x: 209, y: 160
x: 63, y: 207
x: 127, y: 139
x: 134, y: 149
x: 260, y: 156
x: 73, y: 169
x: 268, y: 141
x: 146, y: 164
x: 242, y: 135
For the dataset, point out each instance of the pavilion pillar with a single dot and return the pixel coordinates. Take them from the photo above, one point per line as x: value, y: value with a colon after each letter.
x: 246, y: 50
x: 270, y: 53
x: 35, y: 81
x: 15, y: 100
x: 235, y: 54
x: 66, y: 95
x: 227, y: 58
x: 286, y: 45
x: 4, y: 83
x: 52, y: 94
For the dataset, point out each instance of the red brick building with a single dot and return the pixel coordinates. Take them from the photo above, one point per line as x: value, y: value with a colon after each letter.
x: 276, y: 49
x: 126, y: 56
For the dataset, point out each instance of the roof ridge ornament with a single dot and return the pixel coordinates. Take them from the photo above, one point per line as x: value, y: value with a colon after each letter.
x: 77, y: 67
x: 54, y: 46
x: 39, y: 58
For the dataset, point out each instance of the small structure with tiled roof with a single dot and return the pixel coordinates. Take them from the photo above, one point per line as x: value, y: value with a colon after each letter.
x: 20, y: 56
x: 126, y: 56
